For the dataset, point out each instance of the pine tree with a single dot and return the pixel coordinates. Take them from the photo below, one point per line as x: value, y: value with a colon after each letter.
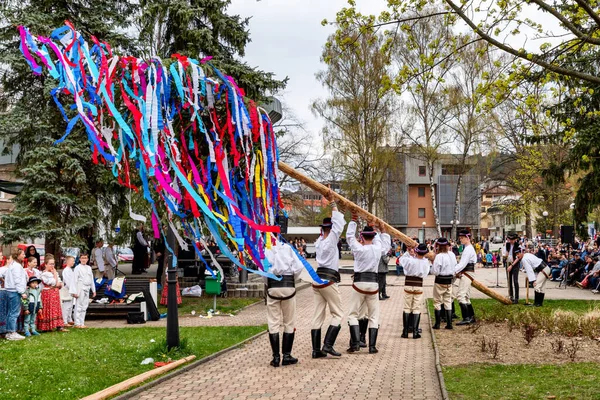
x: 63, y: 187
x: 200, y: 28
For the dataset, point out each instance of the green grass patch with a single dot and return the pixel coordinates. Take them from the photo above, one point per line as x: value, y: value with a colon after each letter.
x: 81, y: 362
x: 508, y: 382
x: 227, y: 305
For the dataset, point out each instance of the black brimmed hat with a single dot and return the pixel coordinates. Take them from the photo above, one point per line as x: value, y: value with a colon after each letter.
x: 34, y: 279
x: 368, y: 232
x: 422, y: 249
x: 512, y: 236
x: 442, y: 241
x: 464, y: 232
x: 326, y: 223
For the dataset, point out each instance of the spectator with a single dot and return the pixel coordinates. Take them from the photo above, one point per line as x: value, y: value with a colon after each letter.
x: 98, y: 258
x: 557, y: 268
x: 32, y: 268
x: 489, y: 259
x: 32, y: 306
x: 51, y: 316
x: 159, y: 250
x: 32, y: 252
x: 66, y: 298
x: 15, y: 285
x: 110, y: 260
x: 85, y: 282
x: 140, y: 252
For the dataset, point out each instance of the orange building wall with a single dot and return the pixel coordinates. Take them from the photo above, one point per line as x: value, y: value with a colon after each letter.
x: 415, y: 202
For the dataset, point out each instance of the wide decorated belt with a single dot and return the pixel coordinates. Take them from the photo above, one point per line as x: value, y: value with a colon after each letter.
x: 286, y: 281
x: 365, y: 277
x: 329, y: 274
x: 443, y: 279
x: 413, y: 281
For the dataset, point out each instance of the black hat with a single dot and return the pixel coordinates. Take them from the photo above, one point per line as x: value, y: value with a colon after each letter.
x: 326, y: 223
x: 512, y: 236
x: 368, y: 232
x: 422, y: 249
x: 464, y: 232
x: 442, y: 241
x: 33, y: 279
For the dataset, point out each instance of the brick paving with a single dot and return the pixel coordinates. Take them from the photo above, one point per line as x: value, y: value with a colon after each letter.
x: 403, y: 368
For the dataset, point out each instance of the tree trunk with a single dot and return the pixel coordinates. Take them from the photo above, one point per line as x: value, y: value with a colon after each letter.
x: 433, y: 200
x: 52, y: 246
x: 528, y: 227
x: 456, y: 206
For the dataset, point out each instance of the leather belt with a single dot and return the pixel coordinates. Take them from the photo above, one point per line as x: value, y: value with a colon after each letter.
x: 443, y: 279
x: 286, y: 281
x: 365, y: 277
x: 359, y: 290
x: 470, y: 267
x: 413, y: 291
x: 329, y: 274
x: 540, y: 267
x: 413, y: 281
x: 323, y: 286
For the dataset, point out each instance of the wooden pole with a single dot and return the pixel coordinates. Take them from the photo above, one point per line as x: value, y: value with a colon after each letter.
x: 372, y: 219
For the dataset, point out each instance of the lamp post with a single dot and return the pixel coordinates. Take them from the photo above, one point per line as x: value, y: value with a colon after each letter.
x: 424, y: 224
x: 172, y: 312
x: 572, y: 207
x: 545, y: 215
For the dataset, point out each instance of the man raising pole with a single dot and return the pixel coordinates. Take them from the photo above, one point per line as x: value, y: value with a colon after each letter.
x: 467, y: 262
x: 329, y: 293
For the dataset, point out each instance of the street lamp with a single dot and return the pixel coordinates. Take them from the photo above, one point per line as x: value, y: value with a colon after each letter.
x: 423, y: 224
x: 545, y: 214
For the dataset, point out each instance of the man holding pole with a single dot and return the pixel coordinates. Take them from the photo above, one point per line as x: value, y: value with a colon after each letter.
x: 467, y: 262
x: 366, y: 288
x: 509, y: 253
x: 534, y: 265
x: 329, y: 293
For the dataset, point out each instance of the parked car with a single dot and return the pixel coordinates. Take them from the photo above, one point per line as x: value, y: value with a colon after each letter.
x: 125, y: 255
x: 496, y: 244
x: 39, y: 247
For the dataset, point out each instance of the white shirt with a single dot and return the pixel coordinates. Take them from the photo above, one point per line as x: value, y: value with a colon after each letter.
x: 48, y: 279
x: 327, y: 250
x: 468, y: 256
x: 99, y: 258
x: 366, y: 257
x: 140, y: 238
x: 444, y: 264
x: 15, y: 278
x: 110, y: 257
x: 84, y: 278
x: 69, y: 281
x: 414, y: 266
x: 283, y: 260
x: 529, y: 262
x: 509, y: 254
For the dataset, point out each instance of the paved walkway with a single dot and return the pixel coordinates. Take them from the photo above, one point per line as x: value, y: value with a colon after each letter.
x: 403, y: 368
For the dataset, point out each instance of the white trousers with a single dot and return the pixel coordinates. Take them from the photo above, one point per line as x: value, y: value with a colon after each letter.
x: 81, y: 305
x: 464, y: 290
x: 327, y: 296
x: 67, y: 311
x: 371, y: 300
x: 442, y: 294
x: 281, y: 311
x: 413, y: 299
x: 540, y: 282
x: 362, y: 311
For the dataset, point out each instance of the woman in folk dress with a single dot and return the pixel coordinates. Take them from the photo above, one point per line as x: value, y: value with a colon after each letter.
x: 51, y: 316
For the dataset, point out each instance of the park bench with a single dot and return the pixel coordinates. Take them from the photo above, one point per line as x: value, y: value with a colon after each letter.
x: 132, y: 285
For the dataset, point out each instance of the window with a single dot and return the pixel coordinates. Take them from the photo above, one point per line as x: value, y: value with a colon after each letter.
x: 422, y: 170
x: 421, y: 213
x: 421, y: 191
x: 451, y: 169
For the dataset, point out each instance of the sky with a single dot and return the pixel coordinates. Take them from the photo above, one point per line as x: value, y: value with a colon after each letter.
x: 287, y: 39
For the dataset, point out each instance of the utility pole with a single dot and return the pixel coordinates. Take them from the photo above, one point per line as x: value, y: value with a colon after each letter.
x: 172, y: 312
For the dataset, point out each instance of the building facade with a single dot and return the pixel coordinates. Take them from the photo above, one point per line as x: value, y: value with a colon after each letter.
x: 409, y: 206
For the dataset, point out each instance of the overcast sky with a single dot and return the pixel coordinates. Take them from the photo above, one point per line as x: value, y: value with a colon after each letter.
x: 287, y: 39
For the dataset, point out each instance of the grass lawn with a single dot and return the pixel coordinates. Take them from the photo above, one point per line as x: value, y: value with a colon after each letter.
x: 81, y: 362
x: 227, y: 305
x: 507, y: 382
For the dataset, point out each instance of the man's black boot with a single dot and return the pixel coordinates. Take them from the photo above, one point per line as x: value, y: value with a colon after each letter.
x: 405, y: 321
x: 448, y: 319
x: 464, y: 310
x: 472, y: 319
x: 373, y: 340
x: 454, y: 316
x: 274, y: 340
x: 417, y: 318
x: 354, y: 339
x: 438, y: 317
x: 363, y: 324
x: 286, y: 349
x: 315, y: 335
x: 330, y: 337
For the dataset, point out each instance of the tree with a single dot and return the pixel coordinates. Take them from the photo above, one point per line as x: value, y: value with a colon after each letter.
x: 202, y: 28
x: 418, y: 47
x: 62, y: 184
x: 358, y: 114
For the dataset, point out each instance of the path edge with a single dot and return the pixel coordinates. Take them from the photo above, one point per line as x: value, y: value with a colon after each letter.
x: 144, y: 387
x: 438, y: 367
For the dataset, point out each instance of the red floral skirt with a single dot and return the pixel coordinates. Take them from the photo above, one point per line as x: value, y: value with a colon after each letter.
x: 51, y: 316
x: 165, y: 294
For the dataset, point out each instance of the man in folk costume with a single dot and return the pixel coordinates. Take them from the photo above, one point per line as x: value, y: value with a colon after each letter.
x: 467, y: 262
x: 534, y: 265
x: 509, y: 253
x: 366, y: 288
x: 443, y: 269
x: 329, y: 293
x: 281, y: 301
x: 415, y: 269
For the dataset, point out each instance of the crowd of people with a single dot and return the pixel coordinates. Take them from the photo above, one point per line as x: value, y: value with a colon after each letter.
x: 37, y: 299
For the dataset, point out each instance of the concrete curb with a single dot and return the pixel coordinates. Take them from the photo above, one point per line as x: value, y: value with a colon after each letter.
x: 438, y: 367
x: 146, y: 386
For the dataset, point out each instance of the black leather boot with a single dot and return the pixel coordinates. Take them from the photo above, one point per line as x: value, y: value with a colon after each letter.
x: 542, y: 295
x: 286, y: 349
x: 373, y: 340
x: 363, y: 324
x: 354, y: 339
x: 315, y: 335
x: 472, y: 319
x: 448, y: 319
x: 416, y: 319
x: 330, y: 337
x: 274, y: 339
x: 442, y: 313
x: 464, y: 310
x: 405, y: 321
x: 438, y: 317
x: 454, y: 316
